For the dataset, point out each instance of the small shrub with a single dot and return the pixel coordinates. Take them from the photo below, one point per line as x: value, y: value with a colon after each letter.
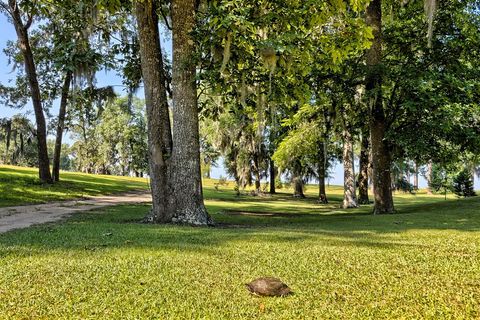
x: 463, y: 184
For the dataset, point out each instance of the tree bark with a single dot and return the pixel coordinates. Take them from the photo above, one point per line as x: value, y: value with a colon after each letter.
x: 381, y: 158
x: 363, y: 174
x: 256, y: 172
x: 187, y: 183
x: 30, y: 69
x: 8, y: 134
x: 407, y: 171
x: 15, y: 147
x: 273, y: 174
x: 415, y: 176
x: 322, y: 173
x: 158, y: 118
x: 370, y: 171
x: 298, y: 187
x: 22, y: 144
x: 429, y: 177
x: 349, y: 192
x: 61, y: 126
x: 297, y: 180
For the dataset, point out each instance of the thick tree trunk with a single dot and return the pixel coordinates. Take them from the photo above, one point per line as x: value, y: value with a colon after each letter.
x: 429, y: 177
x: 363, y: 174
x: 273, y: 174
x: 322, y: 173
x: 381, y: 158
x: 30, y: 69
x: 187, y: 182
x: 158, y: 119
x: 349, y: 193
x: 298, y: 187
x: 297, y: 180
x: 61, y: 126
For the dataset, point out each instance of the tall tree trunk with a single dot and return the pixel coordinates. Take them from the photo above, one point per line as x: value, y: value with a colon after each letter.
x: 208, y: 171
x: 158, y: 119
x: 370, y: 170
x: 30, y: 69
x: 22, y: 144
x: 322, y: 173
x: 256, y: 172
x: 187, y: 182
x: 8, y: 133
x: 415, y: 176
x: 349, y: 194
x: 61, y: 126
x: 429, y: 177
x: 273, y: 174
x: 363, y: 174
x: 381, y: 158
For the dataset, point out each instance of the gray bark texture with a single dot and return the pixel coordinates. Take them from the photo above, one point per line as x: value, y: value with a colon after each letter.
x: 21, y: 29
x: 158, y: 119
x: 349, y: 191
x: 297, y: 180
x: 415, y: 176
x: 381, y: 158
x: 61, y: 126
x: 429, y: 177
x: 187, y: 183
x: 298, y: 187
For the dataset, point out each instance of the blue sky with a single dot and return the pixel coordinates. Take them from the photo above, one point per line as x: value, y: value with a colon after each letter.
x: 109, y: 78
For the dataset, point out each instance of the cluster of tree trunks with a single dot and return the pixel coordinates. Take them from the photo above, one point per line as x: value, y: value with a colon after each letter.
x: 174, y: 153
x: 21, y: 28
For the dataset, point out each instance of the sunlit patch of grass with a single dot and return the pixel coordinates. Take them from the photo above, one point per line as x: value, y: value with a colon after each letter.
x: 423, y: 262
x: 19, y: 186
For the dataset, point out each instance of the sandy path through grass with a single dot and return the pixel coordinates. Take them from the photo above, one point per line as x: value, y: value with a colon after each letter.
x: 24, y: 216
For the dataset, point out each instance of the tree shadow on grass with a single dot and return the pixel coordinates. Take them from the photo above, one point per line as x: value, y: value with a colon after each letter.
x: 118, y: 228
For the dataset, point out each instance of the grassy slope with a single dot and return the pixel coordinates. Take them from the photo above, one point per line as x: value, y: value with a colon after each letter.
x: 423, y: 262
x: 19, y: 186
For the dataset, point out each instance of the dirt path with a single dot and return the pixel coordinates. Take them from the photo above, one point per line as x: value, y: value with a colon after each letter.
x: 25, y: 216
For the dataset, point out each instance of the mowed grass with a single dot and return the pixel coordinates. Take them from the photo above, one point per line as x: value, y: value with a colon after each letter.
x: 423, y: 262
x: 20, y: 186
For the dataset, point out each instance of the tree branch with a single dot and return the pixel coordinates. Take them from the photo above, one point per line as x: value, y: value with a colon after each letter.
x: 165, y: 20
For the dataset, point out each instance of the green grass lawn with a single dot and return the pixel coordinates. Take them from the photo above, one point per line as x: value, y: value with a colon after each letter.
x: 423, y: 262
x: 19, y: 186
